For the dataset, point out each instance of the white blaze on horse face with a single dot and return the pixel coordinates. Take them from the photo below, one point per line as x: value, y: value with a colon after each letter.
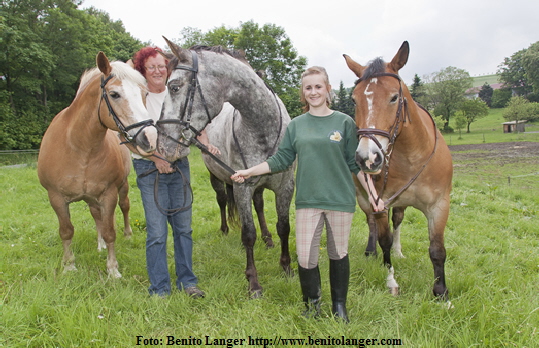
x: 369, y: 95
x: 139, y: 113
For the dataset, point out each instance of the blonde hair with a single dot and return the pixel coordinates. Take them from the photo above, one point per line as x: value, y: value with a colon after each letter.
x: 314, y: 70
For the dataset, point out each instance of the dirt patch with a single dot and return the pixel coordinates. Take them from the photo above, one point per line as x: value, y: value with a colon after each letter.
x: 501, y: 153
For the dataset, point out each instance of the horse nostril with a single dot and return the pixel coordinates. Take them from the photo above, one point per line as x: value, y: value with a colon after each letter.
x: 378, y: 160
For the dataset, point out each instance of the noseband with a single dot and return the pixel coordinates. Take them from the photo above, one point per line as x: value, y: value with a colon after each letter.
x: 184, y: 120
x: 122, y: 129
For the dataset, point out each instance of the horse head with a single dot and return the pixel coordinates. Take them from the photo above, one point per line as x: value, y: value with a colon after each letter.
x: 123, y: 95
x: 381, y: 109
x: 188, y: 106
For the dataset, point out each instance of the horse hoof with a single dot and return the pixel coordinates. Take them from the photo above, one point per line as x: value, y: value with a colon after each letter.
x: 394, y: 291
x: 69, y: 268
x: 256, y: 294
x: 114, y: 273
x: 371, y: 253
x: 269, y: 244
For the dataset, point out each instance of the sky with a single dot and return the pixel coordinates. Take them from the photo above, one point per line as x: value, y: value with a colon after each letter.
x: 474, y: 35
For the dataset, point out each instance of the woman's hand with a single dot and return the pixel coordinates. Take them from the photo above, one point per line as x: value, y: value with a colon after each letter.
x: 240, y: 176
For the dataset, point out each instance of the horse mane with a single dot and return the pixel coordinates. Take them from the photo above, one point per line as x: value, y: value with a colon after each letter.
x: 119, y: 69
x: 374, y: 67
x: 239, y: 55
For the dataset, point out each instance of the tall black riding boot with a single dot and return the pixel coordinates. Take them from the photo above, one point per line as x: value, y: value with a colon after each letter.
x: 339, y: 277
x: 311, y: 290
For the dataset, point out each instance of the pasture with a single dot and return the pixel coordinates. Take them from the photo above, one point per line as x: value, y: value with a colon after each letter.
x: 492, y: 271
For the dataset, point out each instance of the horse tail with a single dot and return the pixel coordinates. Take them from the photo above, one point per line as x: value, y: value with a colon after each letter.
x: 233, y: 216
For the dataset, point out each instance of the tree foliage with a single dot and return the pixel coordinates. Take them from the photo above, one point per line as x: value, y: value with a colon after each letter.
x: 472, y: 110
x: 267, y: 48
x: 485, y: 94
x: 520, y: 72
x: 520, y: 109
x: 45, y: 48
x: 445, y: 90
x: 343, y: 101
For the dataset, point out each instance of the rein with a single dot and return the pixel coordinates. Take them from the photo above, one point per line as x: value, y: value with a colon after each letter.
x: 123, y: 129
x: 402, y: 114
x: 187, y: 189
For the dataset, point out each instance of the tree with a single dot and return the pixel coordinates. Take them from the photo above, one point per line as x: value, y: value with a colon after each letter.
x: 267, y: 48
x: 460, y: 122
x: 530, y: 62
x: 520, y: 109
x: 500, y: 97
x: 513, y: 73
x: 343, y: 101
x: 485, y: 94
x: 471, y: 110
x: 446, y: 89
x: 45, y: 47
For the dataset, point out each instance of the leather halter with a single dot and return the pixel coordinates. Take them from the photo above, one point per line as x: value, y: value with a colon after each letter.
x: 184, y: 121
x: 122, y: 129
x: 401, y: 117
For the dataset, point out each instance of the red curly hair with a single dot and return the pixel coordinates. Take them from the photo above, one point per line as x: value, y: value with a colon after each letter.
x: 139, y: 58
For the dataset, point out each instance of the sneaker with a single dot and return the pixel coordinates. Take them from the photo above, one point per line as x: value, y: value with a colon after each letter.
x: 194, y: 292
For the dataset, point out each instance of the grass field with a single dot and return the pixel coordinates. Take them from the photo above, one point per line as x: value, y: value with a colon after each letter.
x: 492, y: 270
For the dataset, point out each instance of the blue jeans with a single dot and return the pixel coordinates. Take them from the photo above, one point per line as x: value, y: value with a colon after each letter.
x: 170, y: 196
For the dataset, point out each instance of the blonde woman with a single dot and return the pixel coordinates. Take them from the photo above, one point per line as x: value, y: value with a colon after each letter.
x: 324, y: 142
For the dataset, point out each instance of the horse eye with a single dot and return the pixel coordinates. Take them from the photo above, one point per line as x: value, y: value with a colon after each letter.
x: 175, y: 89
x: 114, y: 95
x: 395, y: 97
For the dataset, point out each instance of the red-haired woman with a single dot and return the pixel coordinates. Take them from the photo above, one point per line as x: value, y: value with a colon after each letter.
x: 153, y: 66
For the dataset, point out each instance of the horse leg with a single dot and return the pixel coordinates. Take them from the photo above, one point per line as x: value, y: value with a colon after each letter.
x: 243, y: 196
x: 373, y: 236
x: 397, y: 216
x: 221, y: 197
x: 95, y: 210
x: 106, y: 228
x: 437, y: 252
x: 258, y: 200
x: 385, y: 239
x: 65, y: 229
x: 123, y: 202
x: 282, y: 204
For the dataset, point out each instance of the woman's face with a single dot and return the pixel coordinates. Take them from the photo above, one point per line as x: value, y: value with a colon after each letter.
x: 315, y: 90
x: 156, y: 73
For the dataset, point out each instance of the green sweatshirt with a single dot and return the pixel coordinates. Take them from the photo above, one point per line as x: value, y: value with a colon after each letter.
x: 325, y: 148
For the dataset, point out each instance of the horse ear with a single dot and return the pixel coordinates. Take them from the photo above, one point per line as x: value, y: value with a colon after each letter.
x: 401, y: 58
x: 179, y: 52
x: 103, y: 63
x: 355, y: 67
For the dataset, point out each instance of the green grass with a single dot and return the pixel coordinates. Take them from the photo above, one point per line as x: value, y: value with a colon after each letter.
x: 490, y: 130
x: 492, y: 271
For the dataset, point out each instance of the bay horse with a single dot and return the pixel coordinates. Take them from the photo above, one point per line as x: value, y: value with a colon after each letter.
x: 81, y: 157
x: 202, y: 80
x: 401, y: 147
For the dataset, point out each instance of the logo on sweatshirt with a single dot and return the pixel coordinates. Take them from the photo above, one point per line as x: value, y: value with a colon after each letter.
x: 335, y: 136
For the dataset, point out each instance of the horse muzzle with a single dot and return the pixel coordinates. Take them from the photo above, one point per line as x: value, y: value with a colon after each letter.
x: 146, y: 141
x: 370, y: 155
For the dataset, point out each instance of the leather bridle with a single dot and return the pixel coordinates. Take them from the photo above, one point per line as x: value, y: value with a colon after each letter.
x: 121, y: 127
x: 402, y: 116
x: 184, y: 121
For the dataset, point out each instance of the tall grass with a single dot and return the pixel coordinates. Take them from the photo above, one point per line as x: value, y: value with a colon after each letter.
x: 492, y: 272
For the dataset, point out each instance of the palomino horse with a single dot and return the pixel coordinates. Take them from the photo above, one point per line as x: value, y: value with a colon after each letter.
x: 81, y: 157
x: 400, y: 145
x: 202, y: 80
